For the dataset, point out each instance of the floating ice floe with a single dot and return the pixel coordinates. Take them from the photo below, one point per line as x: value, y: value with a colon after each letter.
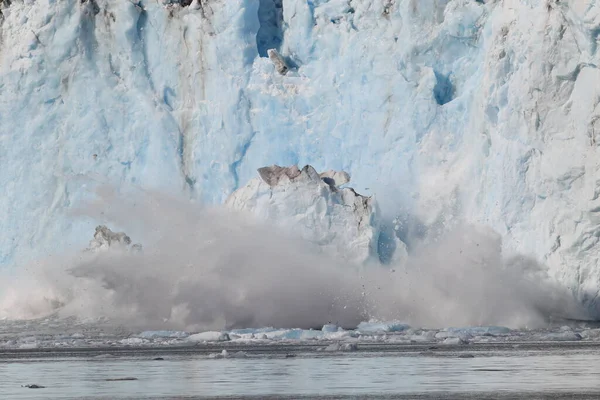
x: 560, y: 337
x: 163, y: 334
x: 227, y: 354
x: 209, y: 337
x: 341, y: 347
x: 373, y: 326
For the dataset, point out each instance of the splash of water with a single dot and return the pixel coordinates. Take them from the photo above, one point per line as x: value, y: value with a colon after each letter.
x: 204, y: 269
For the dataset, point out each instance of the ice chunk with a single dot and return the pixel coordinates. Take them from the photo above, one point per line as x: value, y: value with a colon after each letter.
x: 29, y: 345
x: 34, y: 386
x: 329, y: 328
x: 272, y: 175
x: 163, y: 334
x: 104, y: 356
x: 568, y: 336
x: 278, y: 61
x: 295, y: 334
x: 245, y: 331
x: 479, y: 330
x: 340, y: 221
x: 374, y: 326
x: 470, y: 332
x: 341, y: 347
x: 340, y: 334
x: 335, y: 178
x: 591, y: 334
x: 424, y: 336
x: 454, y: 341
x: 209, y: 337
x: 227, y: 354
x: 133, y: 341
x: 566, y: 328
x: 105, y: 239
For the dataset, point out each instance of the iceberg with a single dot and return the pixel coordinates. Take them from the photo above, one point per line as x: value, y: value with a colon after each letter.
x: 335, y: 347
x: 226, y: 354
x: 560, y: 337
x: 591, y: 334
x: 471, y: 332
x: 453, y: 341
x: 329, y: 328
x: 374, y: 326
x: 163, y: 334
x: 209, y: 337
x: 479, y: 331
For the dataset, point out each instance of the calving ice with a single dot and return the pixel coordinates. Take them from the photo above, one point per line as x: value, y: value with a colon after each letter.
x: 450, y: 113
x: 301, y: 251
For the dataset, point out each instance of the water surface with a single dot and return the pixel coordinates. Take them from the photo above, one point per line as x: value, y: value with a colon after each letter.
x: 510, y: 372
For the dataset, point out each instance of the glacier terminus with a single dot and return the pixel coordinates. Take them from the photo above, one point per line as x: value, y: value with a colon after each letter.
x: 436, y: 113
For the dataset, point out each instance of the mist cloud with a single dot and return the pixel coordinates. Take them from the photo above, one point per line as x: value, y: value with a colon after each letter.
x: 207, y: 268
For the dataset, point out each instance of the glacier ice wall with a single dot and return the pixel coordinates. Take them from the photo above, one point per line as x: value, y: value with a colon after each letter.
x: 444, y: 109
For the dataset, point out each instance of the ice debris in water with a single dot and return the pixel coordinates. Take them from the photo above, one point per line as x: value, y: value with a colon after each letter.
x: 469, y: 332
x: 163, y: 334
x: 342, y: 347
x: 331, y: 337
x: 455, y: 341
x: 591, y: 334
x: 34, y: 386
x: 329, y: 328
x: 480, y: 330
x: 209, y: 337
x: 133, y: 341
x: 563, y: 336
x: 227, y: 354
x: 374, y: 326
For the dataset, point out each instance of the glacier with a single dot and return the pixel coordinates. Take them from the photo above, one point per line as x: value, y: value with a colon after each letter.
x: 444, y: 110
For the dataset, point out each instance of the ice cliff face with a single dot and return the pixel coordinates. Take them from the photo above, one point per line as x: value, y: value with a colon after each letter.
x: 483, y: 110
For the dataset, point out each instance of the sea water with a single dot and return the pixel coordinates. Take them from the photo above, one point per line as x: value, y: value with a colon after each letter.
x: 461, y: 372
